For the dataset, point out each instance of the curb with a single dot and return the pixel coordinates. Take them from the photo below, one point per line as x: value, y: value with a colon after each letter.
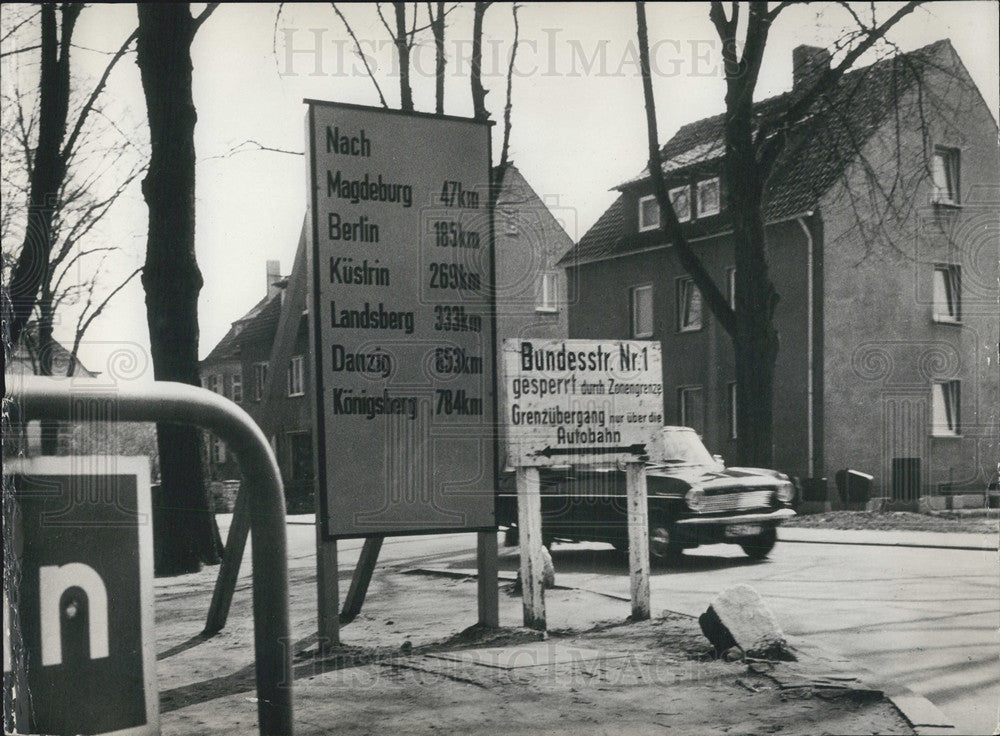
x: 925, y: 718
x: 914, y: 545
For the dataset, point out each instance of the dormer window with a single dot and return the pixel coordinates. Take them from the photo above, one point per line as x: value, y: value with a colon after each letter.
x: 708, y: 197
x: 680, y: 199
x: 649, y: 213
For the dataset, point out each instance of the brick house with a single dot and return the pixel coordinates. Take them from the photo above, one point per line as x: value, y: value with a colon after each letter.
x: 881, y: 227
x: 266, y: 352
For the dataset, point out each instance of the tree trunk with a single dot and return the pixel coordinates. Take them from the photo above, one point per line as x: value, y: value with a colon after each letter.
x: 476, y: 63
x: 440, y: 60
x: 756, y: 341
x: 185, y: 529
x: 48, y: 169
x: 403, y: 48
x: 46, y: 345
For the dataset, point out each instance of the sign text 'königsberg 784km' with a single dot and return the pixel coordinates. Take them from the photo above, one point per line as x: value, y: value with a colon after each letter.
x: 402, y: 320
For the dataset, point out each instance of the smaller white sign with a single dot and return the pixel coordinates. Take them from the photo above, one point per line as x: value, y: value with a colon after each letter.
x: 574, y: 402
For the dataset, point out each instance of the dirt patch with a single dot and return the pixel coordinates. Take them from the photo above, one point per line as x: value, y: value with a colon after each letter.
x: 898, y: 521
x: 410, y: 664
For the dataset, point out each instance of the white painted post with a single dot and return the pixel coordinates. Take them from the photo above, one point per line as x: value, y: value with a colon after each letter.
x: 638, y: 539
x: 529, y: 526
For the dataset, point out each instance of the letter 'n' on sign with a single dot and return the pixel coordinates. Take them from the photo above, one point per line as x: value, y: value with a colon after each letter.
x: 83, y: 646
x: 57, y: 586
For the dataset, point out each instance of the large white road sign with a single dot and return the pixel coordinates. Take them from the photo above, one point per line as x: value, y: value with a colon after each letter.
x: 573, y: 402
x: 402, y: 320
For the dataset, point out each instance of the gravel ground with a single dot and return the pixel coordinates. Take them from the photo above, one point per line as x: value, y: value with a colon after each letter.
x: 899, y: 520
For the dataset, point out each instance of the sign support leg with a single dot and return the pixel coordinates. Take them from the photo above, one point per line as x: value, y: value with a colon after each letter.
x: 489, y: 596
x: 529, y: 525
x: 327, y: 591
x: 229, y: 570
x: 362, y: 577
x: 638, y: 539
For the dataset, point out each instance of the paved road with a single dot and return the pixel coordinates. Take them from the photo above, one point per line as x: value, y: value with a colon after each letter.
x: 926, y: 618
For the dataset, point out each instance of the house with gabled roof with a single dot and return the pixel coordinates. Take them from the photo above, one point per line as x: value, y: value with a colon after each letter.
x: 265, y: 355
x: 881, y: 228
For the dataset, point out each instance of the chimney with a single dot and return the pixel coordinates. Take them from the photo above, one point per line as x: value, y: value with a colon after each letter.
x: 273, y: 277
x: 807, y: 63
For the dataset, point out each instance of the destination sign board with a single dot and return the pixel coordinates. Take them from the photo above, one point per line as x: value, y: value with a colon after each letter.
x: 573, y: 402
x: 402, y: 320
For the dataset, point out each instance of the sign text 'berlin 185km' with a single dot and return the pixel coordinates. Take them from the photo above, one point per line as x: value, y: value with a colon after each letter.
x: 570, y: 402
x: 401, y: 276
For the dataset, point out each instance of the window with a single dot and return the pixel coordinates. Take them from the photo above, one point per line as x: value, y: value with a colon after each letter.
x: 944, y: 176
x: 642, y: 311
x: 688, y: 306
x: 547, y: 299
x: 732, y: 411
x: 213, y: 384
x: 237, y: 387
x: 945, y: 409
x: 649, y: 213
x: 708, y: 197
x: 218, y: 450
x: 680, y: 198
x: 731, y: 284
x: 691, y: 408
x: 259, y: 379
x: 295, y: 376
x: 947, y: 293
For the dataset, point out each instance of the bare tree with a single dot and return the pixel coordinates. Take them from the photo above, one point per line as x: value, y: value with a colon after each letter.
x: 752, y: 148
x: 184, y: 525
x: 89, y: 175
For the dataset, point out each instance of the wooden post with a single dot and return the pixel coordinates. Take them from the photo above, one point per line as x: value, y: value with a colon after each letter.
x: 361, y: 579
x: 327, y: 590
x: 229, y: 570
x: 529, y: 526
x: 638, y: 539
x: 486, y: 563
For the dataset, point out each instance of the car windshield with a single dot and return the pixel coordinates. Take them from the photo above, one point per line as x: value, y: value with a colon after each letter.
x: 684, y: 447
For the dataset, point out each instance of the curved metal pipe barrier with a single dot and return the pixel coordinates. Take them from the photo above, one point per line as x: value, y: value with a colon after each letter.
x: 178, y: 403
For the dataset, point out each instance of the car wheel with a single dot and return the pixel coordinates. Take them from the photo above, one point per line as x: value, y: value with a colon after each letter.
x: 760, y: 546
x: 662, y: 546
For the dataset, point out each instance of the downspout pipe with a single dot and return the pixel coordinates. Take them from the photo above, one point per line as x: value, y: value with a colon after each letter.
x: 810, y: 313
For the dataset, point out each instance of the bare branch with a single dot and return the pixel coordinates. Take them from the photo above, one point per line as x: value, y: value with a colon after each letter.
x: 771, y: 137
x: 251, y: 145
x: 669, y: 225
x: 202, y: 17
x: 14, y: 52
x: 510, y: 76
x: 82, y: 117
x: 364, y: 59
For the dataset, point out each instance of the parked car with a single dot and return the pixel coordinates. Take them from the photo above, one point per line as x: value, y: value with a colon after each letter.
x: 693, y: 499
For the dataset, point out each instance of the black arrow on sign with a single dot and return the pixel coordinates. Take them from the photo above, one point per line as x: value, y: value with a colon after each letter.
x: 637, y: 449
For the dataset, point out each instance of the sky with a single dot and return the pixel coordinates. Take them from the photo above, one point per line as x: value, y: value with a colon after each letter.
x: 578, y: 120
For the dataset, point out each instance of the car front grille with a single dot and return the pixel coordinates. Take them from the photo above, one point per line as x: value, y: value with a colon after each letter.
x: 758, y: 498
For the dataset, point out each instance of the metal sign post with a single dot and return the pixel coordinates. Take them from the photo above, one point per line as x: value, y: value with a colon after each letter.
x: 41, y: 398
x: 581, y: 402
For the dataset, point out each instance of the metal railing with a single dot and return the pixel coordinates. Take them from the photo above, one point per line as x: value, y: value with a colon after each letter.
x: 176, y: 403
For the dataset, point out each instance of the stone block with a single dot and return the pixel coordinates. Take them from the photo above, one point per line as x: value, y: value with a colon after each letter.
x: 738, y: 616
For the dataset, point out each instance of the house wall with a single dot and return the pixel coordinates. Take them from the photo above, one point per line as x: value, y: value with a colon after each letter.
x: 600, y: 308
x: 528, y: 242
x: 882, y: 348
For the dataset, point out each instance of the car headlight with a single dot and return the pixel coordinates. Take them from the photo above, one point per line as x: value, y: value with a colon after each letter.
x: 785, y: 492
x: 695, y: 498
